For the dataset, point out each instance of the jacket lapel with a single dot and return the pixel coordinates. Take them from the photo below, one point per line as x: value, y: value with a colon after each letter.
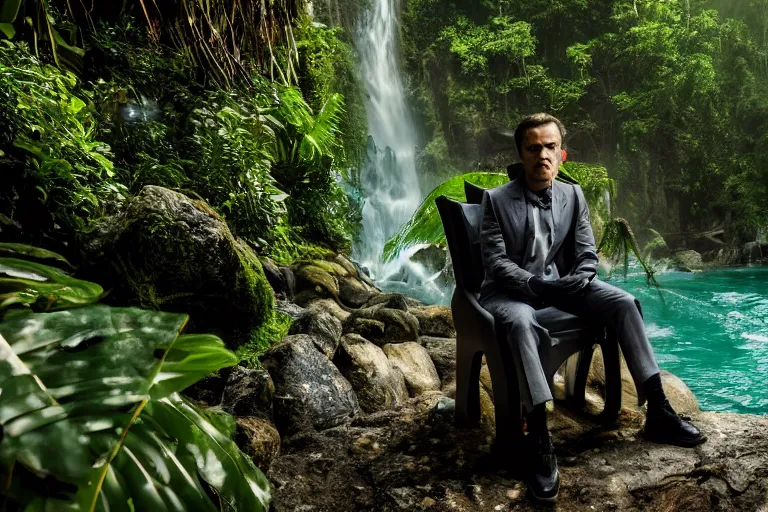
x: 519, y: 213
x: 561, y: 221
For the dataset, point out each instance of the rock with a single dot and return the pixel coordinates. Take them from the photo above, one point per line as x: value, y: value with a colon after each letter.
x: 310, y: 392
x: 249, y: 392
x: 322, y: 327
x: 751, y: 252
x: 435, y: 321
x: 399, y: 325
x: 208, y: 390
x: 687, y: 260
x: 378, y: 384
x: 342, y: 260
x: 442, y: 351
x: 354, y: 293
x: 289, y: 308
x: 332, y: 268
x: 432, y: 257
x: 728, y: 256
x: 418, y: 369
x: 166, y: 251
x: 274, y: 276
x: 403, y: 457
x: 330, y: 306
x: 389, y: 300
x: 290, y: 282
x: 317, y: 280
x: 656, y: 249
x: 259, y: 439
x: 366, y: 327
x: 679, y: 395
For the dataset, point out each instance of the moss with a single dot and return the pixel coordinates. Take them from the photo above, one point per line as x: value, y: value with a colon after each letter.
x: 331, y: 267
x: 263, y: 338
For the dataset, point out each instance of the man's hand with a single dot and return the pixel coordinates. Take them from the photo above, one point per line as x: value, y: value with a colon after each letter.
x: 550, y: 290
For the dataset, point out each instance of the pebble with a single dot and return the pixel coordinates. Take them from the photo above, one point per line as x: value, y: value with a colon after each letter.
x: 513, y: 494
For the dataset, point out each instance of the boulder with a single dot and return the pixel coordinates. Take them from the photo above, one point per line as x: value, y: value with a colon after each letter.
x: 258, y: 439
x: 418, y: 369
x: 208, y: 390
x: 678, y: 393
x: 249, y: 392
x: 330, y: 306
x: 289, y: 279
x: 687, y: 260
x: 354, y: 293
x: 289, y: 309
x: 366, y: 327
x: 432, y: 257
x: 378, y: 384
x: 310, y: 392
x: 274, y: 277
x: 317, y: 280
x: 399, y: 325
x: 442, y: 351
x: 435, y: 321
x: 350, y: 267
x: 393, y: 301
x: 166, y: 251
x: 322, y: 327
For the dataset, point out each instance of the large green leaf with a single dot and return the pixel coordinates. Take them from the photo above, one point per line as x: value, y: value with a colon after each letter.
x: 42, y: 287
x: 99, y: 384
x: 425, y: 225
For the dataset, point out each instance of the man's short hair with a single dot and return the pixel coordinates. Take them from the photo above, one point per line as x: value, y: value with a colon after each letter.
x: 535, y: 121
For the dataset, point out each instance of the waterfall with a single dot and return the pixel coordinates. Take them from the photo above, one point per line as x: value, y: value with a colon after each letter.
x: 389, y: 181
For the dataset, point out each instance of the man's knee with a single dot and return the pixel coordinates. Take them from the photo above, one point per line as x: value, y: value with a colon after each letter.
x: 521, y: 321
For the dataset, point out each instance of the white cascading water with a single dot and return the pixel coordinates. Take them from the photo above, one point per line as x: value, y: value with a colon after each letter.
x: 389, y: 181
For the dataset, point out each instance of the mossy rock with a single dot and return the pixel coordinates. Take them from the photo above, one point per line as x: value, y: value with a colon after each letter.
x: 331, y: 267
x: 166, y: 251
x: 399, y: 325
x: 316, y: 279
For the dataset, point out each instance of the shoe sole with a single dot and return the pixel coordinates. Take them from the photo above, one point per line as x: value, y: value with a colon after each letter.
x: 541, y: 499
x: 682, y: 443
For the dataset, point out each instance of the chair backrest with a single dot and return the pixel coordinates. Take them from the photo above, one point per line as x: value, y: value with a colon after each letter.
x: 461, y: 223
x: 473, y: 193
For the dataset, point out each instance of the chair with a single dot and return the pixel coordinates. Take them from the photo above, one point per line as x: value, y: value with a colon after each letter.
x: 573, y: 339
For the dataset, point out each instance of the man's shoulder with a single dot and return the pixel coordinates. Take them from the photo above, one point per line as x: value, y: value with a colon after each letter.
x: 509, y: 188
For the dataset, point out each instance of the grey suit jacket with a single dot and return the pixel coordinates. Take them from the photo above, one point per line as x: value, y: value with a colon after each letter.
x: 504, y: 235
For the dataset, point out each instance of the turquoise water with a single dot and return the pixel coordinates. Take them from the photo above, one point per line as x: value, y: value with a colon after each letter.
x: 711, y: 330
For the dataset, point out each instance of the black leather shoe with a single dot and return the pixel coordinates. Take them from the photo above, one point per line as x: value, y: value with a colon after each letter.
x: 543, y: 479
x: 663, y: 425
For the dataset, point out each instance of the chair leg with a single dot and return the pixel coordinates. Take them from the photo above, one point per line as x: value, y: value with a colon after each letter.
x: 507, y: 406
x: 576, y: 378
x: 468, y: 362
x: 612, y: 364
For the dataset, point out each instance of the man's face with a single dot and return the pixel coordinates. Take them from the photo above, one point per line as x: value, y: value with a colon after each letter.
x: 542, y: 155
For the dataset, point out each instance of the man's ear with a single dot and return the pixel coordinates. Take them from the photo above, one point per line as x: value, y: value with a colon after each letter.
x: 564, y: 154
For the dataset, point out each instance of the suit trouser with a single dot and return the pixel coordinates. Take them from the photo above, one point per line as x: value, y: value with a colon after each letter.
x: 600, y: 303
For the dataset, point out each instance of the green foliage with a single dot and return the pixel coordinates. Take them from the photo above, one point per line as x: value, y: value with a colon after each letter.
x: 425, y: 225
x: 670, y: 96
x: 100, y: 385
x: 262, y: 339
x: 619, y: 242
x: 55, y: 158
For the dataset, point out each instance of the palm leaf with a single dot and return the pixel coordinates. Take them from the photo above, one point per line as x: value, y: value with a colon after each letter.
x: 100, y: 384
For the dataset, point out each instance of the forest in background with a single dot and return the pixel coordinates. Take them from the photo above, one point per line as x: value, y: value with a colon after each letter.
x: 239, y: 104
x: 669, y: 95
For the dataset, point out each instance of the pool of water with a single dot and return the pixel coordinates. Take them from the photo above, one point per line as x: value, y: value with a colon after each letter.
x: 711, y: 330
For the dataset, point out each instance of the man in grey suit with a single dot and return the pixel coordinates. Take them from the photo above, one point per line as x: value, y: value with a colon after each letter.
x: 538, y: 250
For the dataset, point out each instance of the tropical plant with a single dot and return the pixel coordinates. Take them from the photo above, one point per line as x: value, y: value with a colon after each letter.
x: 54, y: 157
x: 616, y: 237
x: 100, y: 384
